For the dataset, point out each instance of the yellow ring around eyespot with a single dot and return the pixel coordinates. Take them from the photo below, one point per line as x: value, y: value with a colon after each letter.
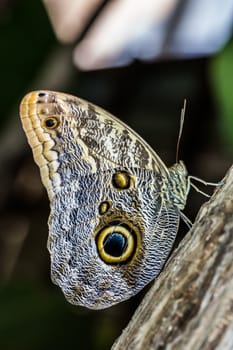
x: 50, y: 119
x: 131, y: 240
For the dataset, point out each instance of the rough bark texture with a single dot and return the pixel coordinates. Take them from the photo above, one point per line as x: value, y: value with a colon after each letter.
x: 190, y: 305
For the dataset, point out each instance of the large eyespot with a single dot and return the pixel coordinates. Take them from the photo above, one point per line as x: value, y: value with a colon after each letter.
x: 117, y: 242
x: 122, y: 180
x: 51, y: 123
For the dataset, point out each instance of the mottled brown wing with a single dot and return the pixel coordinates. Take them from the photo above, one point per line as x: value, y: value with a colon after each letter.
x: 85, y: 136
x: 112, y: 222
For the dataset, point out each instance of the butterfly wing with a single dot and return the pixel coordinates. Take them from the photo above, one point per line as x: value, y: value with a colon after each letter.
x: 111, y: 225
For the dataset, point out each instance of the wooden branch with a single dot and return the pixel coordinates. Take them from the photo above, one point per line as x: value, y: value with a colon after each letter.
x: 190, y: 305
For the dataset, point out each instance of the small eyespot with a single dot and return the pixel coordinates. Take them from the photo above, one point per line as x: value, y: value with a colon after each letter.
x: 122, y: 180
x: 41, y: 94
x: 51, y: 123
x: 104, y: 207
x: 117, y: 242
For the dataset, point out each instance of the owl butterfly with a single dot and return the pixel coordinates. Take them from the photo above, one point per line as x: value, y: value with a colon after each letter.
x: 115, y: 206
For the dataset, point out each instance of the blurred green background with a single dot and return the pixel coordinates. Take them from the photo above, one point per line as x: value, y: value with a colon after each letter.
x: 33, y: 312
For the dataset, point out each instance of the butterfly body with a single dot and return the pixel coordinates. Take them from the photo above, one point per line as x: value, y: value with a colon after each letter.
x: 115, y: 206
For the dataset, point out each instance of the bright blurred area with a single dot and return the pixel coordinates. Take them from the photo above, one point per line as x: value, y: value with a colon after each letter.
x: 139, y: 62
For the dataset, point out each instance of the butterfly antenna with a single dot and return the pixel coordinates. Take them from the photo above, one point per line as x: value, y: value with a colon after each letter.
x: 180, y: 130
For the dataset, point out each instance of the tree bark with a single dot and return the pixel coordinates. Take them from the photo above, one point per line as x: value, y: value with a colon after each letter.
x: 190, y: 305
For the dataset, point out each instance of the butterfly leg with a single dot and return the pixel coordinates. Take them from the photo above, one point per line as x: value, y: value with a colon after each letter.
x: 186, y: 220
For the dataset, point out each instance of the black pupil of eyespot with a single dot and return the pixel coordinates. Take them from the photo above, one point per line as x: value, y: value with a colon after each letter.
x: 49, y: 123
x: 41, y: 94
x: 115, y: 244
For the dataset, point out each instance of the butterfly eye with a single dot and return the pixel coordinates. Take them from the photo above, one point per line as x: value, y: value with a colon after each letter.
x: 116, y: 243
x: 122, y: 180
x: 50, y: 122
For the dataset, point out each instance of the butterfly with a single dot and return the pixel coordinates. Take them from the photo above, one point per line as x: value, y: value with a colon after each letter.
x: 115, y: 206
